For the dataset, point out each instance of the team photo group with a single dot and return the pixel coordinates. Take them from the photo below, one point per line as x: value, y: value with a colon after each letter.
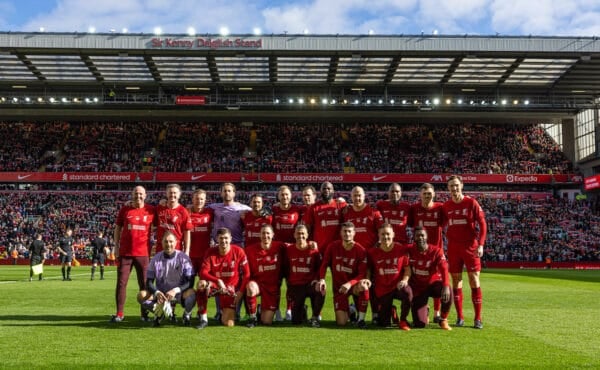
x: 378, y: 255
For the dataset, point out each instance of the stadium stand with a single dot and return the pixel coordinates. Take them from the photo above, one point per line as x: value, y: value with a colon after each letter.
x: 282, y: 147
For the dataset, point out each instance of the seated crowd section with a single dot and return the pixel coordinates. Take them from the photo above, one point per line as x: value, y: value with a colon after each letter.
x: 520, y: 229
x: 279, y: 147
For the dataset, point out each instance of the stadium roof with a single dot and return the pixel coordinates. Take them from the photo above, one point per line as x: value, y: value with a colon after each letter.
x: 386, y: 74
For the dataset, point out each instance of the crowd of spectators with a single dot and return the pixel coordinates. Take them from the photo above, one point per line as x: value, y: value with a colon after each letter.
x: 279, y: 147
x: 520, y: 228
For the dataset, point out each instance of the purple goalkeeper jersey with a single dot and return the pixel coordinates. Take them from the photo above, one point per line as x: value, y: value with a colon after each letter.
x: 169, y: 272
x: 229, y: 217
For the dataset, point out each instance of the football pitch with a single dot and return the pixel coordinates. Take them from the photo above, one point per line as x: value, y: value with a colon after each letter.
x: 532, y: 318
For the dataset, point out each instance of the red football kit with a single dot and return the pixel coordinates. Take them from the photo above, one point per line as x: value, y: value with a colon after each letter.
x: 265, y: 270
x: 136, y: 224
x: 323, y: 220
x: 366, y: 224
x: 429, y: 277
x: 430, y: 219
x: 284, y: 222
x: 226, y: 268
x: 466, y: 230
x: 302, y: 266
x: 427, y: 268
x: 177, y: 220
x: 387, y: 268
x: 202, y: 222
x: 302, y: 270
x: 252, y: 225
x: 396, y: 215
x: 347, y: 266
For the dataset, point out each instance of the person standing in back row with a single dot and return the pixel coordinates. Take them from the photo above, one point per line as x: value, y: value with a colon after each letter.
x: 175, y: 218
x: 466, y: 232
x: 133, y: 229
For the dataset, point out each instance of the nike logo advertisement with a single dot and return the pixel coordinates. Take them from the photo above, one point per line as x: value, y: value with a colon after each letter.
x: 22, y: 177
x: 377, y: 178
x: 194, y: 178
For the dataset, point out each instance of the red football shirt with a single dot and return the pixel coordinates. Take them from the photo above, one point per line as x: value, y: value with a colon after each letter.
x: 431, y: 219
x: 346, y: 265
x: 323, y: 220
x: 302, y: 265
x: 227, y: 268
x: 177, y: 220
x: 396, y: 215
x: 387, y: 268
x: 252, y: 225
x: 136, y: 224
x: 201, y: 231
x: 366, y: 224
x: 284, y: 222
x: 427, y: 268
x: 465, y: 223
x: 265, y: 265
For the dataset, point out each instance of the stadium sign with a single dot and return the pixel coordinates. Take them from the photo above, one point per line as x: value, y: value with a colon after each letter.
x: 291, y: 178
x: 202, y: 43
x: 592, y: 182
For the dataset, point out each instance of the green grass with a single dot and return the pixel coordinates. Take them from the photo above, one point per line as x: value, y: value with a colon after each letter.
x: 533, y: 319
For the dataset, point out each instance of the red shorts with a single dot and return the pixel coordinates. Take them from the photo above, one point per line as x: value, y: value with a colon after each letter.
x: 460, y: 255
x: 269, y: 297
x: 340, y: 301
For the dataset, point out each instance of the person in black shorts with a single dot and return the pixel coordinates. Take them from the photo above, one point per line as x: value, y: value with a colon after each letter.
x: 37, y: 248
x: 65, y: 248
x: 99, y: 252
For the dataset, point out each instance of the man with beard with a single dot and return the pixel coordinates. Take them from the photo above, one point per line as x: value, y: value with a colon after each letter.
x: 429, y: 278
x: 395, y: 212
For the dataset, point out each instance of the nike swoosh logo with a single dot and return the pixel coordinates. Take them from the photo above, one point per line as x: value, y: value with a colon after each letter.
x: 377, y: 178
x: 21, y: 177
x: 194, y: 178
